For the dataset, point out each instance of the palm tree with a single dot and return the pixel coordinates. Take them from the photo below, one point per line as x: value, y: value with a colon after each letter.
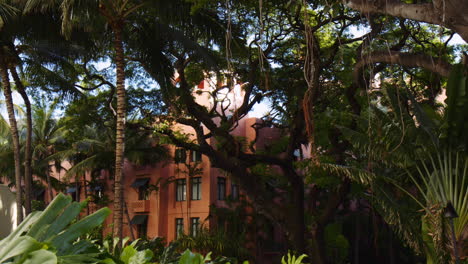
x: 46, y: 134
x: 7, y: 12
x: 95, y: 150
x: 115, y: 13
x: 7, y: 166
x: 5, y: 82
x: 426, y: 159
x: 27, y: 152
x: 20, y: 36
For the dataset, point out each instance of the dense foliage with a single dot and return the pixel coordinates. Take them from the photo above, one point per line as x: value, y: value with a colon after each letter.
x: 368, y: 153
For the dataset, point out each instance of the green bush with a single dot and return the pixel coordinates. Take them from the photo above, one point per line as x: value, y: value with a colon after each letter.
x: 52, y: 236
x: 55, y: 236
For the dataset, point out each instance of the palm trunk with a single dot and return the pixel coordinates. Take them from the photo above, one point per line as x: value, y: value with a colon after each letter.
x: 120, y: 130
x: 85, y: 193
x: 15, y: 136
x: 27, y: 152
x: 49, y: 181
x: 77, y: 186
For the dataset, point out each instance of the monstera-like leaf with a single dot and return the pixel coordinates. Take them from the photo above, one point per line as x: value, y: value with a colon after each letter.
x: 51, y: 236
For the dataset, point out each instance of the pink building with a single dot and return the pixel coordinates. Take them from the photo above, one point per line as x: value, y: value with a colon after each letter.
x: 166, y: 198
x: 170, y: 197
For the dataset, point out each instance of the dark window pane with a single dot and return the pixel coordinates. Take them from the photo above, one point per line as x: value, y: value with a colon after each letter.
x: 180, y: 156
x: 196, y: 188
x: 179, y: 227
x: 181, y: 190
x: 234, y: 191
x: 143, y: 193
x: 194, y: 226
x: 196, y: 156
x: 221, y: 188
x: 74, y: 192
x: 141, y: 222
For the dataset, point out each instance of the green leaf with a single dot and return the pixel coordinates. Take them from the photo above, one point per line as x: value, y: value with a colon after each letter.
x: 41, y: 256
x: 18, y: 246
x: 23, y: 227
x: 127, y: 253
x: 63, y: 240
x: 107, y: 261
x: 81, y: 247
x: 49, y: 214
x: 190, y: 258
x: 141, y: 257
x: 68, y: 215
x: 82, y: 259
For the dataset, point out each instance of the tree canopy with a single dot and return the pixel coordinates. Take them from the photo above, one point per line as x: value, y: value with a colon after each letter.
x: 354, y: 88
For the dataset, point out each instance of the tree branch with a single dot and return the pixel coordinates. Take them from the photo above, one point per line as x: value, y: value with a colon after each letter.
x: 449, y: 14
x: 435, y: 65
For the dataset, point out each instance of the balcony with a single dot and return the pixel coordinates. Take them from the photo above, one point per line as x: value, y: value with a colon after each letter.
x: 141, y: 206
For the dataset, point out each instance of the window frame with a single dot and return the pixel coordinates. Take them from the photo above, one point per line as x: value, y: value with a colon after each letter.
x: 143, y: 193
x: 194, y: 226
x: 235, y: 194
x: 196, y: 188
x: 181, y: 190
x: 195, y: 156
x: 142, y: 230
x: 221, y: 188
x: 179, y: 227
x: 180, y: 155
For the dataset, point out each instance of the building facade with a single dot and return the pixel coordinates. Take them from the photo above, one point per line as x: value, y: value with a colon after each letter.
x: 167, y: 198
x: 171, y: 197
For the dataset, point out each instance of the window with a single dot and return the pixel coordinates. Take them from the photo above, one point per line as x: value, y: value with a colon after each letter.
x: 235, y: 191
x: 221, y: 222
x: 141, y: 222
x: 98, y: 191
x: 74, y: 193
x: 194, y: 226
x: 181, y: 190
x: 179, y: 227
x: 143, y: 193
x: 195, y: 156
x: 142, y: 230
x: 180, y: 155
x: 196, y: 188
x: 38, y: 193
x: 141, y: 184
x: 221, y: 188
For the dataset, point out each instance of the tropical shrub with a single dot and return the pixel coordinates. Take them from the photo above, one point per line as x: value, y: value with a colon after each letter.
x: 52, y: 236
x: 443, y: 179
x: 128, y: 255
x: 292, y: 259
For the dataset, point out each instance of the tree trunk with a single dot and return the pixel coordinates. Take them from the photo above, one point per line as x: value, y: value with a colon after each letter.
x: 15, y: 136
x: 132, y: 236
x: 86, y: 192
x: 447, y: 13
x: 120, y: 130
x: 27, y: 153
x: 49, y: 181
x: 77, y: 186
x: 49, y: 185
x: 298, y: 230
x: 317, y: 247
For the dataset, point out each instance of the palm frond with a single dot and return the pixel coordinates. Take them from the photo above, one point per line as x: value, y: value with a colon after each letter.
x: 356, y: 174
x: 442, y: 179
x: 7, y: 12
